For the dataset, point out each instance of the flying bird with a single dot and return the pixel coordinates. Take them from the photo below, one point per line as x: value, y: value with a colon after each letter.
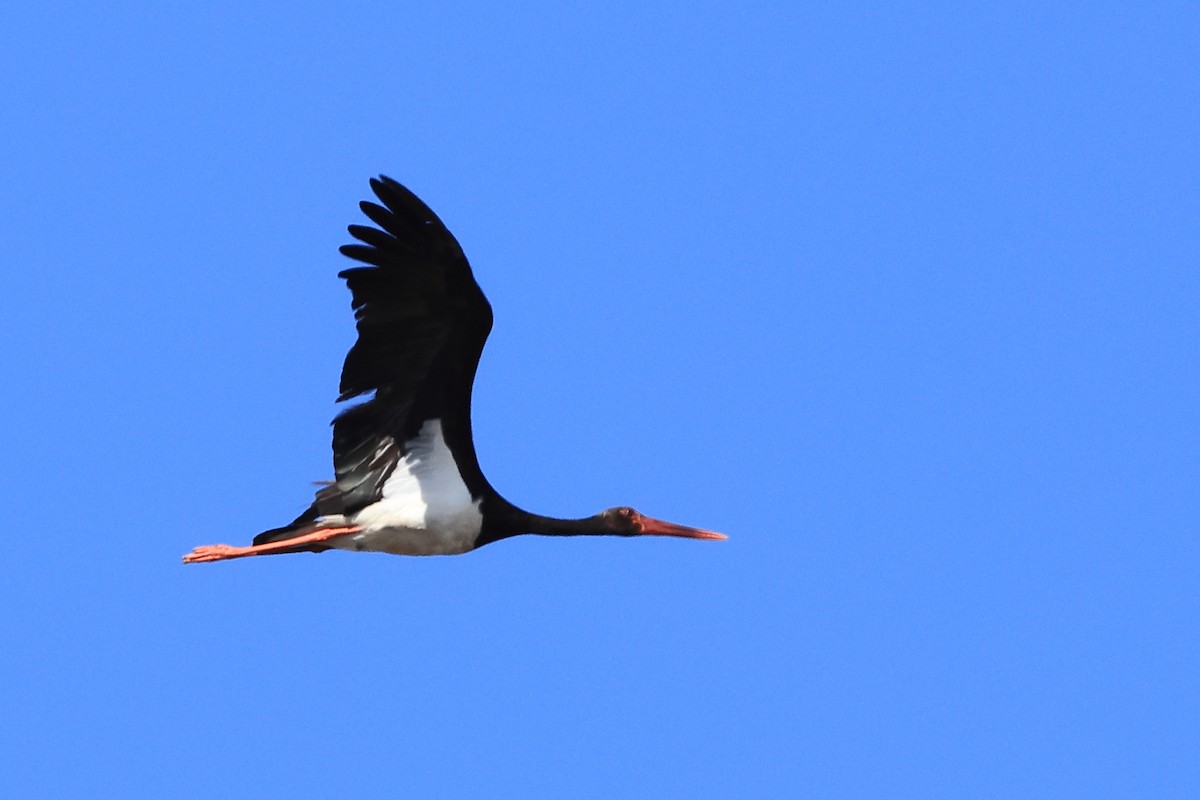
x: 406, y: 479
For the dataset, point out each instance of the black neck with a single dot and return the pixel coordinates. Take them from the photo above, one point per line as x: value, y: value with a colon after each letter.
x: 501, y: 519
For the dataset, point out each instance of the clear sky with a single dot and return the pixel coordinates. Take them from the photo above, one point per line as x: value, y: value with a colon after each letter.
x: 901, y: 296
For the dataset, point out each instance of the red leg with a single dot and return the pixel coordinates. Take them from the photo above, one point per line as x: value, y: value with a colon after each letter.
x: 220, y: 552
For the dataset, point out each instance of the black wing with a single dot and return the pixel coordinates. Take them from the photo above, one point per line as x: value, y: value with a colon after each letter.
x: 422, y: 323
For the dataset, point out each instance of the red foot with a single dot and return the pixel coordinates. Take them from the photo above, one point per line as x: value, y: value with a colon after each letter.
x: 213, y: 552
x: 221, y: 552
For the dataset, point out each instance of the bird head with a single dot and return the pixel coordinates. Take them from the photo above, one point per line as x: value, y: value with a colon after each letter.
x: 624, y: 521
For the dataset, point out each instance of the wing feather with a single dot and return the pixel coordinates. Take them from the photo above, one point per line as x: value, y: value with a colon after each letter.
x: 422, y: 322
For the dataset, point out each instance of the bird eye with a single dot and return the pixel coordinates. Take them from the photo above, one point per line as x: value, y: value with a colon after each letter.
x: 626, y: 512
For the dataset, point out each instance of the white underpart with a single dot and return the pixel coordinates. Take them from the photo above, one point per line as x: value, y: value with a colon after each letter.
x: 426, y: 508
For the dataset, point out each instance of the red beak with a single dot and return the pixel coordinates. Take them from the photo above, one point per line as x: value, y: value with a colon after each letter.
x: 657, y: 527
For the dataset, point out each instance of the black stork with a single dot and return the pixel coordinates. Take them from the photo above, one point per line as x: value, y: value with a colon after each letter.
x: 406, y: 477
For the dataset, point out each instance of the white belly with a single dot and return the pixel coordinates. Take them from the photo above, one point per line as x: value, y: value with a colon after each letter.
x: 426, y: 508
x: 410, y: 541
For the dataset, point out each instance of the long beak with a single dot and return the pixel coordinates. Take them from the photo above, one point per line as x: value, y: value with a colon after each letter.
x: 657, y: 527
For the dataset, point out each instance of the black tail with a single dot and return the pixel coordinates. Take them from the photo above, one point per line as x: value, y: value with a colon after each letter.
x: 305, y: 523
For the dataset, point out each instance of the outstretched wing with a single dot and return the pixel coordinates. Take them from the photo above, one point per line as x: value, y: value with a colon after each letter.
x: 422, y: 323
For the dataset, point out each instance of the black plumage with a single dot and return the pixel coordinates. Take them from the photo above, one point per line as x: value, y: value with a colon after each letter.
x: 422, y: 323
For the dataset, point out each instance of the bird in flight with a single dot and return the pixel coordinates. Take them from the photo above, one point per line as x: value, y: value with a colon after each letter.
x: 406, y: 479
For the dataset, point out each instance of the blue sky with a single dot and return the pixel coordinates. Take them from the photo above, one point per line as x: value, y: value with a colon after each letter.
x: 903, y: 297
